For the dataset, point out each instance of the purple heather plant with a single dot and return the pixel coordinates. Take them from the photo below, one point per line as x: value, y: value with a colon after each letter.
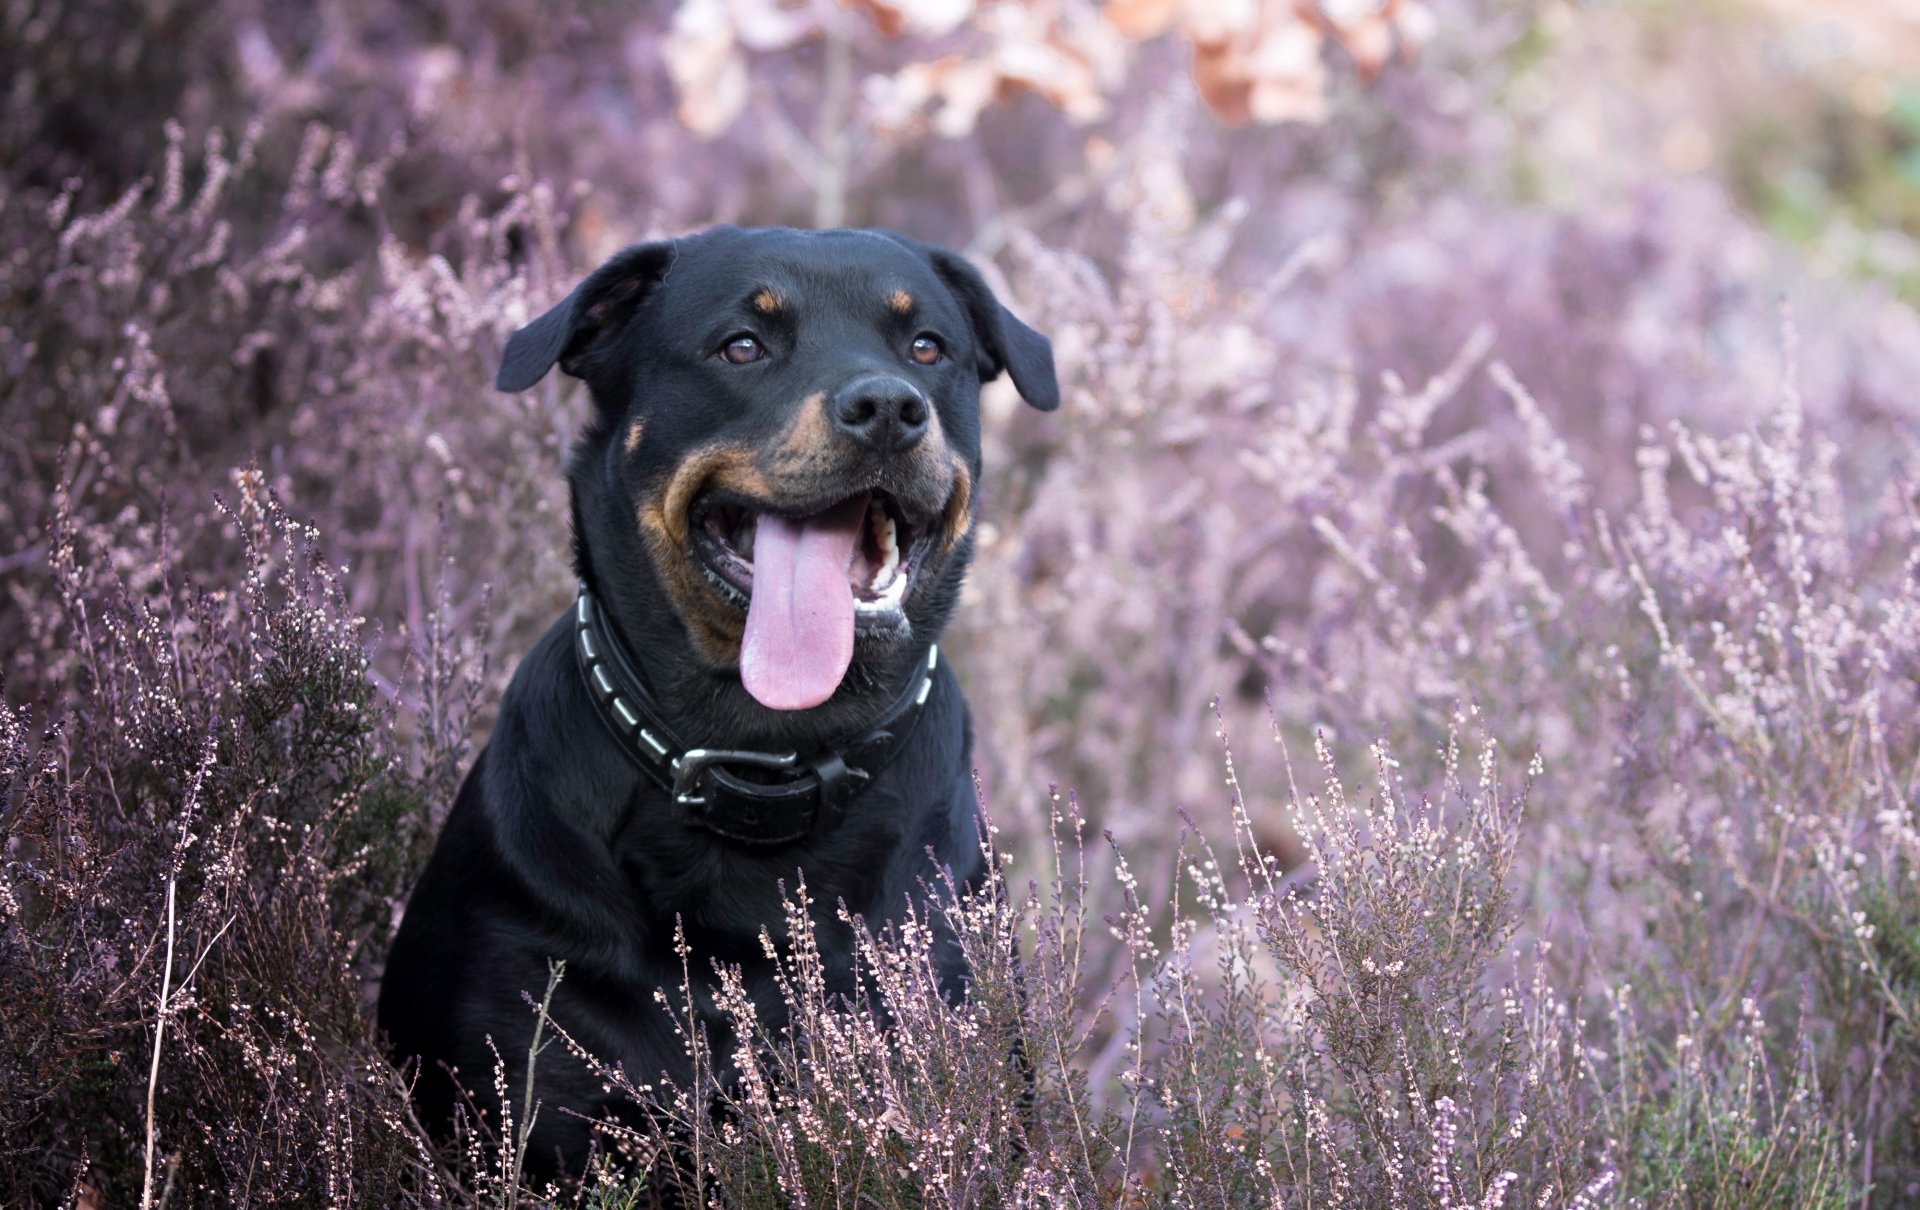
x: 1358, y: 452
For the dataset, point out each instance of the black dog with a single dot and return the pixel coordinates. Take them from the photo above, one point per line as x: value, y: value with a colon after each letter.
x: 773, y: 508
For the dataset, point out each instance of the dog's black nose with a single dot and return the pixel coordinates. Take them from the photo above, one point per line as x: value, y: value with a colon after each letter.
x: 887, y: 415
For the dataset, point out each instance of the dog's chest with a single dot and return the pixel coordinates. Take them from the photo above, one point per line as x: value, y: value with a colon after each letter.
x: 730, y: 893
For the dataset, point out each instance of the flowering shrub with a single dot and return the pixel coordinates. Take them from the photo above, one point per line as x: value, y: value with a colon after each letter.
x: 1600, y: 572
x: 198, y: 855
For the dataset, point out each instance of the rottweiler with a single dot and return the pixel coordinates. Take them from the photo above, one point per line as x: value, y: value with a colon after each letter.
x: 773, y: 507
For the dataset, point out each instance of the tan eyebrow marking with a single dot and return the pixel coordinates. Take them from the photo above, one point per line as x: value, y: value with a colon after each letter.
x: 900, y: 301
x: 768, y: 300
x: 633, y: 434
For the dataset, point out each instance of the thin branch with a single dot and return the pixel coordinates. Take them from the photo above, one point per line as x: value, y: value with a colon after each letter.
x: 159, y: 1031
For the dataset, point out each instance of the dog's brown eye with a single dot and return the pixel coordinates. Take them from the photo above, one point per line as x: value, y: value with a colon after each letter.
x: 743, y: 349
x: 925, y: 350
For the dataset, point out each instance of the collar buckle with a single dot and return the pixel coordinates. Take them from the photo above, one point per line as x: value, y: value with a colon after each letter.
x: 809, y: 792
x: 688, y: 767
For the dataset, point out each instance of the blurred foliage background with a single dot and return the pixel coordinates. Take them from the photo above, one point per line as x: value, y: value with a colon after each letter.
x: 1556, y: 358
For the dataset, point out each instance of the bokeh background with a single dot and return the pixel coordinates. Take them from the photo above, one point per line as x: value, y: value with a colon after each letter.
x: 1544, y: 371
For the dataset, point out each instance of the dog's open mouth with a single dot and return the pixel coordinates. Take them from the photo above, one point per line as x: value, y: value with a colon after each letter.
x: 813, y: 586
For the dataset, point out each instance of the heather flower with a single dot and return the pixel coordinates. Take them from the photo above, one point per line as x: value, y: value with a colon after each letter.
x: 1557, y: 587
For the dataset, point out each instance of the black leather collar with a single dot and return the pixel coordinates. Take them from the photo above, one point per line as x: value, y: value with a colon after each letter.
x: 790, y: 795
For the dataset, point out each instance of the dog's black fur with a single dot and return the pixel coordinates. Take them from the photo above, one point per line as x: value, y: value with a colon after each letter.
x: 557, y: 846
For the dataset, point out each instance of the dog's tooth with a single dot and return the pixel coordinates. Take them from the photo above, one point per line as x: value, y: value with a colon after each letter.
x: 888, y: 585
x: 889, y: 559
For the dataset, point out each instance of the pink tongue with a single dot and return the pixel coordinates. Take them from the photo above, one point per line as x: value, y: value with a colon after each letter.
x: 799, y: 637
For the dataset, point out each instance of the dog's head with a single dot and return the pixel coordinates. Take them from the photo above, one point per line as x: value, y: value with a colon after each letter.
x: 780, y: 476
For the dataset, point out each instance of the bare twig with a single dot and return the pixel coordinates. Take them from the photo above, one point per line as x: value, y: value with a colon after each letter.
x: 159, y: 1032
x: 530, y: 1108
x: 165, y: 1007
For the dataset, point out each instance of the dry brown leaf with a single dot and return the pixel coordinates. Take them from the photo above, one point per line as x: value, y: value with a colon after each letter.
x: 1370, y: 30
x: 1276, y: 101
x: 1254, y: 60
x: 1370, y: 42
x: 1259, y: 65
x: 958, y: 88
x: 1141, y: 19
x: 1212, y: 24
x: 704, y: 53
x: 1057, y: 73
x: 704, y: 61
x: 887, y: 18
x: 1224, y: 83
x: 926, y: 18
x: 763, y: 25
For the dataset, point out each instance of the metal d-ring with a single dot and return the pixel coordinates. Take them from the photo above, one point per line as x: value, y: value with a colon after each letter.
x: 694, y: 761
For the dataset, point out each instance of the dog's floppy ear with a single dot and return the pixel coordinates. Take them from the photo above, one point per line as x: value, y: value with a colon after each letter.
x: 1005, y: 342
x: 598, y: 306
